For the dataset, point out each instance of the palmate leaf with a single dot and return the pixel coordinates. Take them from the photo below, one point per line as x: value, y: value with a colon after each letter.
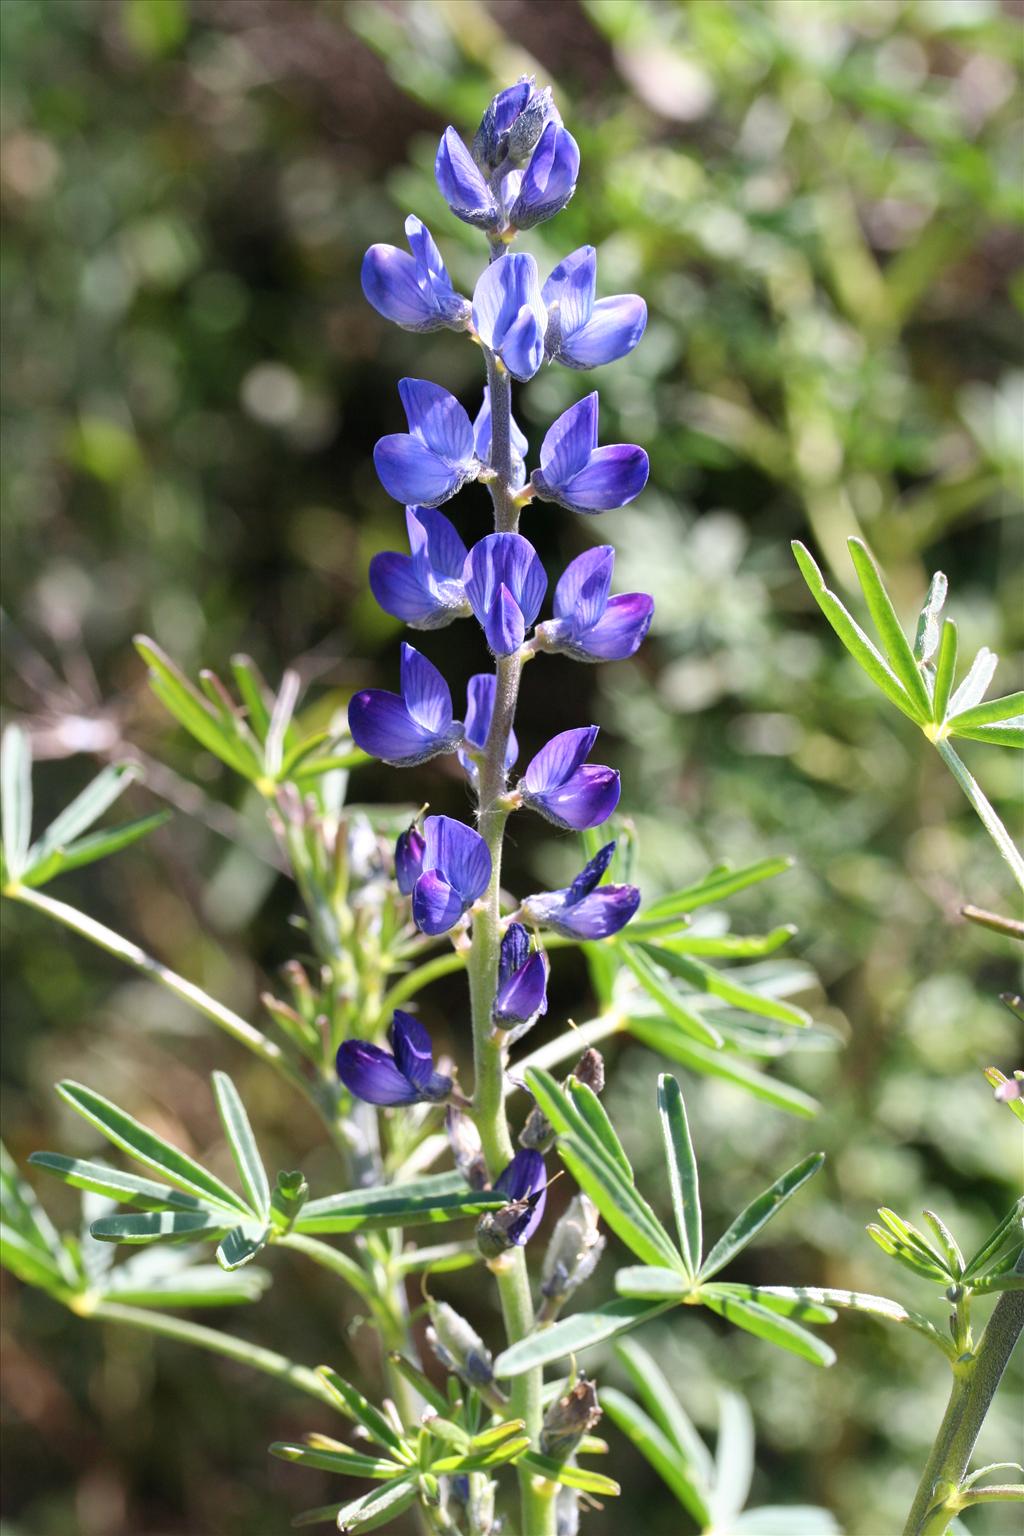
x: 88, y: 850
x: 332, y: 1456
x: 715, y: 887
x: 768, y: 1325
x: 149, y: 1149
x: 572, y: 1335
x: 85, y: 809
x: 897, y: 647
x: 668, y: 999
x: 664, y: 1036
x: 721, y: 984
x: 223, y: 734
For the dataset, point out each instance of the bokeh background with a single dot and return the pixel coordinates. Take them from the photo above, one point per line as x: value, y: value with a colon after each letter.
x: 821, y: 202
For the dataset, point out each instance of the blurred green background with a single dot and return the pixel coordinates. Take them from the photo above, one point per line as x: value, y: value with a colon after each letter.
x: 821, y: 202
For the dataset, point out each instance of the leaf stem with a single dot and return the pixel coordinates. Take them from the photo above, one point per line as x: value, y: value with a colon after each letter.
x: 975, y: 1381
x: 536, y: 1496
x: 986, y: 811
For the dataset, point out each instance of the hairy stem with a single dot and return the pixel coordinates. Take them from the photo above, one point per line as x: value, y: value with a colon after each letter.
x: 985, y: 810
x: 537, y: 1503
x: 974, y: 1386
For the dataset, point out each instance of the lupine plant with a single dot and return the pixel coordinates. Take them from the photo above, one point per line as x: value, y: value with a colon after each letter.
x: 393, y: 903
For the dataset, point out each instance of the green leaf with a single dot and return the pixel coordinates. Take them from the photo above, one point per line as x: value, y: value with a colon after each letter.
x: 482, y: 1461
x: 1009, y: 734
x: 1008, y: 1232
x: 901, y: 657
x: 758, y: 1213
x: 655, y: 1447
x: 242, y: 1143
x: 668, y: 1413
x: 648, y: 1280
x: 989, y: 1284
x: 734, y: 1458
x: 338, y: 1459
x: 438, y: 1260
x: 878, y: 1307
x: 704, y: 978
x: 357, y: 1407
x: 16, y: 790
x: 130, y: 1188
x: 377, y: 1508
x: 911, y: 1238
x: 441, y: 1197
x: 155, y: 1225
x: 993, y: 712
x: 908, y: 1257
x: 945, y: 670
x: 788, y: 1520
x: 32, y: 1264
x: 574, y: 1334
x: 623, y: 1208
x: 98, y: 845
x: 24, y: 1213
x: 786, y: 1301
x: 715, y: 887
x: 241, y: 1245
x: 663, y: 1036
x: 593, y: 1113
x: 148, y: 1148
x: 190, y: 709
x: 730, y: 946
x: 682, y: 1170
x: 203, y: 1285
x: 307, y: 773
x: 854, y: 638
x: 927, y: 638
x: 571, y: 1477
x: 759, y: 1320
x: 86, y: 808
x: 420, y: 1383
x: 975, y: 685
x: 667, y: 998
x: 255, y: 693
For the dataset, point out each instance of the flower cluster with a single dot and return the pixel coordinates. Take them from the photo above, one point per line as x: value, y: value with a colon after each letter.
x: 520, y: 170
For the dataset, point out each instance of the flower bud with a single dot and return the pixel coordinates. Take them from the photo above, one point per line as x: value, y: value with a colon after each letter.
x: 589, y: 1070
x: 568, y: 1419
x: 538, y: 1132
x: 458, y: 1347
x: 409, y: 851
x: 575, y: 1247
x: 467, y: 1148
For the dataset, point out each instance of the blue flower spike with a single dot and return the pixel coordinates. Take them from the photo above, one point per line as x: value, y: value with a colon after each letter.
x: 586, y: 909
x: 479, y: 711
x: 505, y: 584
x: 582, y: 333
x: 435, y: 458
x: 414, y: 290
x: 403, y: 1075
x: 482, y: 442
x: 455, y: 873
x: 407, y: 728
x: 577, y: 474
x: 589, y: 625
x: 424, y: 588
x: 509, y: 314
x: 568, y: 791
x: 521, y: 997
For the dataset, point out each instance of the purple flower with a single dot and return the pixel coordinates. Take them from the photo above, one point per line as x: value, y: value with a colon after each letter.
x: 505, y: 584
x: 586, y: 909
x: 409, y: 850
x: 580, y: 332
x: 561, y: 786
x: 404, y: 1075
x: 512, y: 125
x: 524, y: 1182
x: 547, y: 183
x: 463, y: 188
x: 522, y: 982
x: 435, y: 458
x: 578, y: 474
x: 509, y: 314
x: 424, y: 588
x: 456, y: 870
x: 482, y: 442
x: 588, y: 624
x: 407, y: 728
x: 414, y: 291
x: 479, y: 709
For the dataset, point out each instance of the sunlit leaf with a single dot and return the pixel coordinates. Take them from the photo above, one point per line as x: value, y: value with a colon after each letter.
x: 663, y: 1456
x: 768, y: 1325
x: 242, y: 1143
x: 758, y: 1213
x: 574, y: 1334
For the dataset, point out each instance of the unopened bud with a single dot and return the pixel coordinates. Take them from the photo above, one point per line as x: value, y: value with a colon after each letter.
x: 568, y: 1419
x: 589, y: 1070
x: 467, y: 1148
x: 458, y: 1347
x: 573, y: 1252
x: 538, y: 1133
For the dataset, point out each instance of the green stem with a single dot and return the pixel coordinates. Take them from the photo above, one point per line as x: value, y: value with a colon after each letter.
x: 536, y: 1496
x: 975, y: 1381
x: 414, y: 981
x: 990, y: 820
x: 266, y: 1360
